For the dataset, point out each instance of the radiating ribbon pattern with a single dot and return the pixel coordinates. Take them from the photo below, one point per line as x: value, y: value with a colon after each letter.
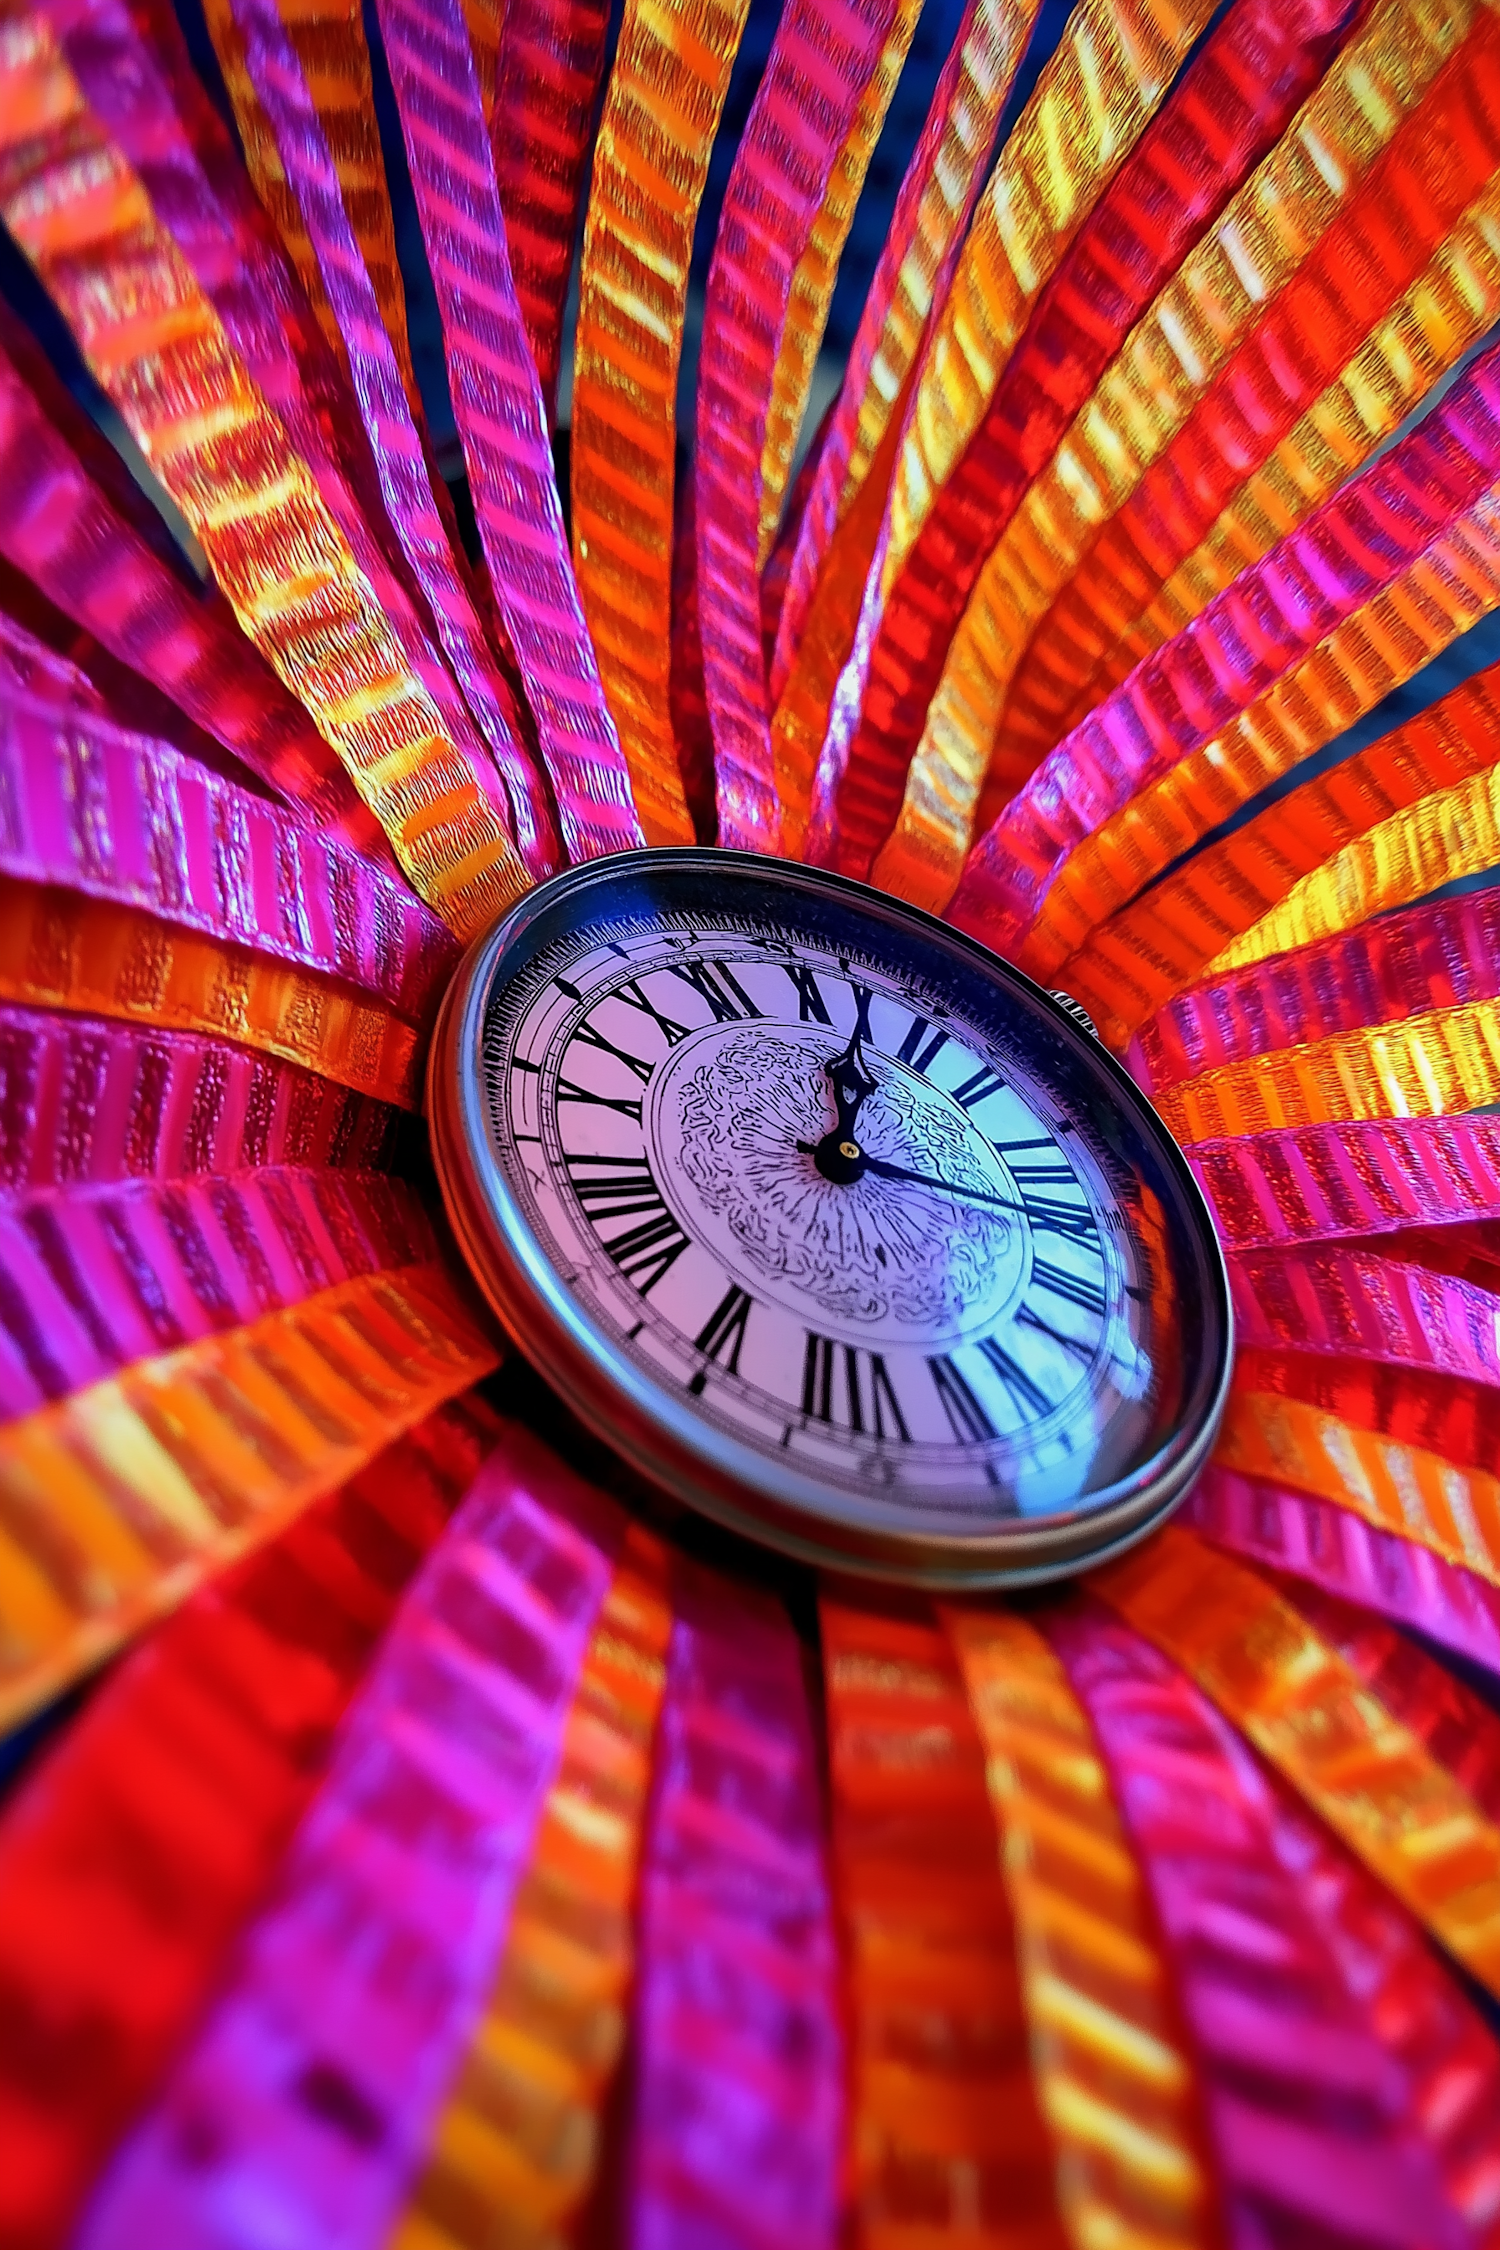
x: 416, y: 1840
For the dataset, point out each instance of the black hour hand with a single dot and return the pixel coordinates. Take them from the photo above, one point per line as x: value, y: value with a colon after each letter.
x: 838, y: 1155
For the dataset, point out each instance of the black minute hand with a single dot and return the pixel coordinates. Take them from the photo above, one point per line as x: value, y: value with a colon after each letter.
x: 884, y: 1171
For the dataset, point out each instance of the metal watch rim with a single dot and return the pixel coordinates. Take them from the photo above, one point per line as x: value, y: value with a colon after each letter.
x: 673, y: 1449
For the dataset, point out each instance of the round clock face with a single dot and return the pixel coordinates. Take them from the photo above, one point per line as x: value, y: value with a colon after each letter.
x: 831, y: 1223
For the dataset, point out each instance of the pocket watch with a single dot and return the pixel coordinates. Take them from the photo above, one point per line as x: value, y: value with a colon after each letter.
x: 833, y: 1225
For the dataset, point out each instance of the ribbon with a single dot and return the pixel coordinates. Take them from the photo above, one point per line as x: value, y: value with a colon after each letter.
x: 517, y: 2143
x: 110, y: 815
x: 1448, y: 1414
x: 121, y: 1499
x: 945, y: 2133
x: 1372, y: 654
x: 94, y: 1279
x: 498, y: 407
x: 1274, y: 616
x: 960, y: 777
x: 548, y: 66
x: 62, y: 531
x: 739, y: 2092
x: 1375, y: 833
x: 1396, y: 1487
x: 250, y: 496
x: 311, y: 2086
x: 661, y: 112
x: 812, y: 285
x: 201, y: 1750
x: 822, y: 61
x: 1306, y: 1711
x: 1316, y: 1183
x: 1228, y: 109
x: 1451, y: 1722
x: 1383, y: 1308
x: 1414, y: 195
x: 936, y: 200
x: 1318, y: 2128
x: 1114, y: 2075
x: 1324, y: 1544
x: 1445, y: 310
x: 1443, y: 1061
x: 1440, y: 954
x: 395, y: 434
x: 59, y: 949
x: 84, y: 1102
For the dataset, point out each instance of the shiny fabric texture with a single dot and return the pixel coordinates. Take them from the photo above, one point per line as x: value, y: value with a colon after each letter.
x: 425, y: 1841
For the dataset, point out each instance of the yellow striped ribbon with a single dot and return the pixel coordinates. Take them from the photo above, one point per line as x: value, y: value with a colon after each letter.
x: 1114, y: 2074
x: 1382, y: 645
x: 666, y: 95
x: 1116, y: 60
x: 1307, y: 1711
x: 61, y: 949
x: 1395, y: 1486
x: 516, y: 2147
x: 1432, y: 1065
x: 117, y: 1502
x: 1451, y: 305
x: 156, y: 346
x: 1447, y: 834
x: 959, y: 777
x: 1380, y: 829
x: 816, y: 272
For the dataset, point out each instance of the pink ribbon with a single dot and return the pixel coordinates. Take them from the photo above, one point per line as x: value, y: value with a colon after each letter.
x: 824, y: 54
x: 1311, y: 2113
x: 735, y: 2137
x: 1275, y: 613
x: 1367, y: 1304
x: 303, y: 2107
x: 1329, y: 1547
x: 1314, y: 1183
x: 497, y: 402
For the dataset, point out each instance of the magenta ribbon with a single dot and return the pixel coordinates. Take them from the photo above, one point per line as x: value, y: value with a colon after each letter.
x: 395, y: 441
x: 497, y: 403
x: 736, y: 2132
x: 1302, y: 1537
x: 824, y: 54
x: 1442, y: 953
x: 62, y: 531
x: 1275, y: 613
x: 1228, y: 108
x: 820, y: 516
x: 142, y: 86
x: 1315, y: 1183
x: 1312, y: 2114
x: 96, y: 810
x: 85, y: 1103
x: 1368, y: 1304
x: 547, y: 74
x: 93, y: 1279
x: 302, y: 2109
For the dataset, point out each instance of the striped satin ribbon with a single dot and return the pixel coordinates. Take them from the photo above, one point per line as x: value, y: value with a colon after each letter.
x: 498, y: 407
x: 1324, y: 2029
x: 1215, y: 300
x: 204, y: 1746
x: 1109, y: 2052
x: 945, y: 2132
x: 314, y: 2078
x: 1415, y: 1827
x: 738, y: 2095
x: 1218, y: 121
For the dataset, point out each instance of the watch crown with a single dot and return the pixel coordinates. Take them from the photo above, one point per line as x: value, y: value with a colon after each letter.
x: 1077, y: 1011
